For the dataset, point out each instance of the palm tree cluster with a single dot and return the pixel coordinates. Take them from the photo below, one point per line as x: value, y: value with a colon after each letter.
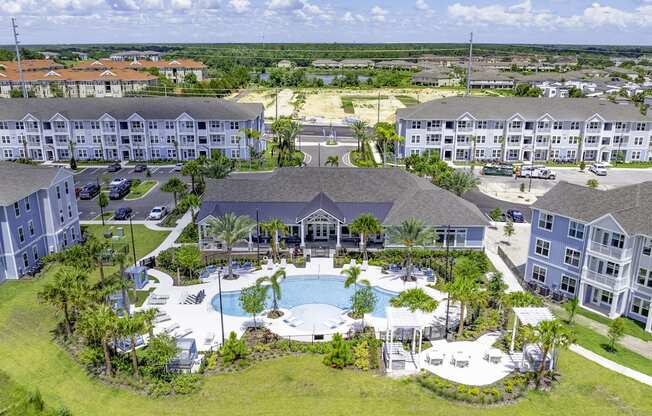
x: 441, y: 174
x: 410, y: 233
x: 229, y: 229
x: 285, y: 133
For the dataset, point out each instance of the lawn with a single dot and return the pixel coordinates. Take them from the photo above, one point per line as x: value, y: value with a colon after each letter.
x: 407, y: 100
x: 267, y: 162
x: 291, y: 385
x: 145, y: 240
x: 140, y: 190
x: 632, y: 327
x: 347, y: 105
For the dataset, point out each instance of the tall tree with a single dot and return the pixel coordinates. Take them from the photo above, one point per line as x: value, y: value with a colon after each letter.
x: 132, y: 327
x: 551, y: 336
x: 191, y: 202
x: 194, y: 169
x: 249, y: 135
x: 97, y: 251
x: 100, y: 324
x: 102, y: 202
x: 230, y: 229
x: 60, y: 292
x: 410, y: 233
x: 465, y: 287
x: 219, y: 167
x: 359, y: 129
x: 175, y: 186
x: 275, y: 284
x: 459, y: 182
x: 275, y: 228
x: 365, y: 225
x: 252, y: 300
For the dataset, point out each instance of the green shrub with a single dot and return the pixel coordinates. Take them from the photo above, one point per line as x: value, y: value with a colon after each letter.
x: 91, y: 357
x: 233, y: 349
x: 339, y: 355
x: 185, y: 383
x: 361, y: 356
x: 414, y: 299
x: 167, y: 259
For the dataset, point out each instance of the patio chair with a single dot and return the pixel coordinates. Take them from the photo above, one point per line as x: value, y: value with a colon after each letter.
x: 162, y: 318
x: 182, y: 333
x: 284, y: 263
x: 365, y: 265
x: 171, y: 328
x: 289, y: 319
x: 270, y: 264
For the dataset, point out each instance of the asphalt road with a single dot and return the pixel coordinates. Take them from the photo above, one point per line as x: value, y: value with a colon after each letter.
x: 316, y: 130
x: 486, y: 203
x: 89, y: 209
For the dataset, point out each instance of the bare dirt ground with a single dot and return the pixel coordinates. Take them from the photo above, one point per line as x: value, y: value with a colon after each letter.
x: 325, y: 105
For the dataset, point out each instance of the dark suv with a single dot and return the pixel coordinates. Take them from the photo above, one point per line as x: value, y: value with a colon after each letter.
x: 114, y: 167
x: 120, y: 191
x: 89, y: 191
x: 122, y: 213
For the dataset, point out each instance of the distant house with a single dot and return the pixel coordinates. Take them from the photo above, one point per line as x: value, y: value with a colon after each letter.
x: 357, y: 63
x: 438, y: 78
x: 326, y: 63
x: 50, y: 55
x: 82, y: 56
x: 38, y: 213
x: 131, y: 55
x: 487, y: 79
x: 396, y: 64
x: 285, y: 64
x: 175, y: 69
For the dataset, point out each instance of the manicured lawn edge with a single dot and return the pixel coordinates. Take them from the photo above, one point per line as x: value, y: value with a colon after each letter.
x: 141, y: 190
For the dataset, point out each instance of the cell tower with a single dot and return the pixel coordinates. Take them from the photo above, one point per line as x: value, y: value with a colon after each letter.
x: 23, y: 87
x: 469, y: 69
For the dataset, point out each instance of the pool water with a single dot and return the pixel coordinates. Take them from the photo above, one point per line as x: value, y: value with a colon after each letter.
x: 302, y: 290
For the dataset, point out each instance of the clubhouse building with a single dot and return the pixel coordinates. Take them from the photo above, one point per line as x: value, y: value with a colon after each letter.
x: 318, y: 204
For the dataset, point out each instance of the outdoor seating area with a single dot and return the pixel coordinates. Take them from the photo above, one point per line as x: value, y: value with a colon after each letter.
x: 195, y: 299
x: 156, y: 299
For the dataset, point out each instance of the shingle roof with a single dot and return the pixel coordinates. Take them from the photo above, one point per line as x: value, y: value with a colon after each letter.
x: 20, y: 180
x: 142, y: 64
x: 629, y: 205
x: 392, y: 195
x: 123, y: 108
x: 503, y: 108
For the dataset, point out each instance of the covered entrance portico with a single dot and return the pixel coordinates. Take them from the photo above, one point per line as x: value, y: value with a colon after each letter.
x: 320, y: 227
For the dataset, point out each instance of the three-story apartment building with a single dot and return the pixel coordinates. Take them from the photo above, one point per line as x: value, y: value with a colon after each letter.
x: 38, y: 215
x: 525, y: 129
x: 597, y: 246
x: 155, y: 128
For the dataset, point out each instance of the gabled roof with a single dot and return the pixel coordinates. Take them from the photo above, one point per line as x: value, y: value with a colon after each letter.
x: 630, y: 205
x: 391, y: 195
x: 18, y: 180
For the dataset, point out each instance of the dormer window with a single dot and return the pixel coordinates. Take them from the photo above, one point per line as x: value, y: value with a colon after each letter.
x: 52, y: 74
x: 107, y: 73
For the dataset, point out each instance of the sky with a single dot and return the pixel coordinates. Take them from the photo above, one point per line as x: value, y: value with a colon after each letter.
x: 627, y: 22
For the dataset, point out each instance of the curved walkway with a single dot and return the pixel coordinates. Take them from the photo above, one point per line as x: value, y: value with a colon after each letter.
x: 620, y: 369
x: 147, y: 223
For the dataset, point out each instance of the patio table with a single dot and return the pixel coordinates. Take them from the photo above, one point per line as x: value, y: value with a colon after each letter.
x: 460, y: 359
x: 435, y: 358
x: 494, y: 355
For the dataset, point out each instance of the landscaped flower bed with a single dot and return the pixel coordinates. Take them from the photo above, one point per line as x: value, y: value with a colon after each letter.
x: 504, y: 391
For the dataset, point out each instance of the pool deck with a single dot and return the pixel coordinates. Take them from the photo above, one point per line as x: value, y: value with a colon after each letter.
x: 203, y: 321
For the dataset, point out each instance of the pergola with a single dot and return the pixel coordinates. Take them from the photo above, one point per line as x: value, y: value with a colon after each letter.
x: 402, y: 318
x: 529, y: 316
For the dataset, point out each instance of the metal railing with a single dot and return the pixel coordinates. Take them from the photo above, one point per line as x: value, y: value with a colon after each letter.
x: 614, y: 252
x: 613, y: 283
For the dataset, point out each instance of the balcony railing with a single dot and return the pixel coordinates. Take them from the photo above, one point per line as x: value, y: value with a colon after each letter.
x: 613, y: 252
x: 612, y: 283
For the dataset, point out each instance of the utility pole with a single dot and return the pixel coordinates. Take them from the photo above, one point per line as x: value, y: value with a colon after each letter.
x: 470, y: 67
x: 378, y: 107
x: 23, y: 87
x: 276, y: 104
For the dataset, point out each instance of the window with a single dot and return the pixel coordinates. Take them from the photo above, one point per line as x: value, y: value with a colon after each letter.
x: 557, y: 125
x: 539, y: 273
x: 152, y: 124
x: 214, y: 124
x: 25, y: 260
x: 636, y: 155
x: 28, y: 207
x: 462, y: 124
x: 95, y: 125
x: 17, y: 209
x: 617, y: 240
x: 30, y: 227
x: 235, y: 153
x: 647, y: 247
x: 65, y: 186
x: 21, y: 235
x: 594, y: 124
x: 35, y: 252
x: 73, y: 235
x: 235, y: 125
x: 516, y: 124
x: 640, y: 127
x: 415, y: 124
x: 638, y: 141
x: 572, y: 257
x: 576, y: 230
x: 434, y: 124
x: 415, y: 139
x: 433, y: 138
x: 78, y: 125
x: 61, y: 219
x: 4, y: 125
x: 169, y: 125
x: 58, y: 193
x: 575, y: 125
x: 69, y: 211
x: 482, y: 124
x: 568, y: 284
x: 640, y: 307
x: 545, y: 221
x: 542, y: 247
x: 612, y: 269
x: 644, y: 277
x: 65, y: 239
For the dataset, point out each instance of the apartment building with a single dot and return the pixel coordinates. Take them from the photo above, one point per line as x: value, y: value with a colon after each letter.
x: 155, y: 128
x: 138, y: 55
x: 437, y: 77
x: 175, y: 69
x: 596, y: 246
x: 38, y: 215
x: 525, y: 129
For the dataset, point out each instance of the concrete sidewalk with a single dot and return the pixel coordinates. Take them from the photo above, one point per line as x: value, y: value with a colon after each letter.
x: 172, y: 237
x: 598, y: 359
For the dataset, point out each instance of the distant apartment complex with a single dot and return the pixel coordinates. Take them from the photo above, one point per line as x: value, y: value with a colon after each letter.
x: 525, y: 129
x: 129, y: 128
x: 596, y: 246
x: 38, y: 215
x: 175, y: 69
x: 138, y: 55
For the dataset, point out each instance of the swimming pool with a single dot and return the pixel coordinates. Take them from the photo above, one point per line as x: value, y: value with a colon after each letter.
x: 302, y: 290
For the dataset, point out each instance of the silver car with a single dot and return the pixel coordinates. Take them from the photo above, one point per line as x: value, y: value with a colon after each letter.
x: 598, y: 169
x: 157, y: 213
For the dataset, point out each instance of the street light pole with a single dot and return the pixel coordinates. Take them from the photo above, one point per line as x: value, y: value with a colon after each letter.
x: 257, y: 237
x: 219, y: 286
x: 448, y: 299
x: 133, y: 244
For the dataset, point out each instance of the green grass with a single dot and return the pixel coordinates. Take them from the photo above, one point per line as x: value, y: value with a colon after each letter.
x: 632, y: 165
x: 145, y: 240
x: 632, y: 327
x: 140, y: 190
x: 141, y: 295
x: 268, y: 162
x: 407, y: 100
x: 347, y: 105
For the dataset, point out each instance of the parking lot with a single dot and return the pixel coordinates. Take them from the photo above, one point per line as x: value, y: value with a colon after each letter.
x: 88, y: 209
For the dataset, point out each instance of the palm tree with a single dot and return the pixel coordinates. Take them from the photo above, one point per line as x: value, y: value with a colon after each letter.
x: 192, y: 168
x: 359, y: 130
x: 459, y: 182
x: 60, y: 293
x: 251, y: 134
x: 275, y: 283
x: 463, y: 289
x: 132, y: 326
x: 383, y: 132
x: 551, y: 336
x: 175, y: 186
x: 333, y: 161
x: 353, y: 277
x: 148, y: 320
x: 410, y: 233
x: 97, y: 250
x: 191, y: 202
x: 218, y: 167
x: 100, y: 324
x: 396, y: 138
x: 229, y: 229
x: 275, y: 228
x: 365, y: 225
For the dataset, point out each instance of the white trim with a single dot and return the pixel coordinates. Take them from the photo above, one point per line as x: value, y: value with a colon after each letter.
x: 545, y: 277
x: 552, y: 225
x: 608, y: 215
x: 535, y: 247
x: 579, y: 265
x: 569, y: 228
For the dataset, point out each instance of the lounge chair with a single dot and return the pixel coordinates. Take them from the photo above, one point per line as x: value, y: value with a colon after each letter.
x: 330, y: 324
x: 162, y: 318
x: 365, y: 265
x: 171, y: 328
x: 284, y: 263
x: 182, y: 333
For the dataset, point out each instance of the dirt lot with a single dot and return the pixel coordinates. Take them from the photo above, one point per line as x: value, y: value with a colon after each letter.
x: 335, y: 106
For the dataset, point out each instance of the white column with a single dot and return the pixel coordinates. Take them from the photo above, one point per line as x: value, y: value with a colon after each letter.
x: 420, y: 342
x: 580, y: 295
x: 511, y: 346
x: 303, y: 234
x: 250, y: 243
x: 648, y: 324
x: 613, y: 309
x: 339, y: 231
x: 389, y: 348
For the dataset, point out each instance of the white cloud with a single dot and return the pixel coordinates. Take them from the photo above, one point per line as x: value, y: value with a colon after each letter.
x: 284, y: 5
x: 240, y: 6
x: 422, y: 5
x: 378, y: 14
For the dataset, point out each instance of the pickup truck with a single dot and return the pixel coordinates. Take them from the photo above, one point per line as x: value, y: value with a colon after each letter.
x: 537, y: 173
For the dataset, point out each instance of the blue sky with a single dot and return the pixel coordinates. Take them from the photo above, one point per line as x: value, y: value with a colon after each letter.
x: 158, y: 21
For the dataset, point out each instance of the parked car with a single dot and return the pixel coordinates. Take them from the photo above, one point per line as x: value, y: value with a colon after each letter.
x: 116, y: 182
x: 538, y: 172
x: 598, y: 169
x: 114, y: 167
x: 498, y: 170
x: 515, y: 215
x: 120, y: 191
x: 157, y: 213
x: 141, y: 167
x: 122, y: 213
x: 178, y: 167
x: 89, y: 191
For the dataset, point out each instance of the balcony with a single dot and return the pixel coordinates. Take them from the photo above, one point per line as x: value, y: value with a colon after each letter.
x: 611, y: 283
x: 613, y: 252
